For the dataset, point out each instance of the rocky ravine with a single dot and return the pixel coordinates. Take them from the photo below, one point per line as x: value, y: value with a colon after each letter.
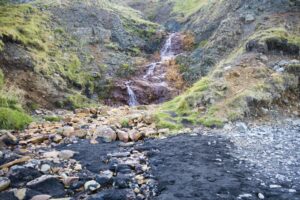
x: 78, y: 158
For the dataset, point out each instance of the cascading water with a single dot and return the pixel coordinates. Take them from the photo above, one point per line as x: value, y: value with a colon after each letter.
x: 132, y: 97
x: 150, y: 70
x: 154, y: 73
x: 166, y: 54
x: 167, y: 51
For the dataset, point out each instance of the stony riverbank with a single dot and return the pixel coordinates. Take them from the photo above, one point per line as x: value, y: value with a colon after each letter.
x: 203, y: 164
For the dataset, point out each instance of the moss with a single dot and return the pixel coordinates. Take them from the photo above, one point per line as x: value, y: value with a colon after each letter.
x: 78, y: 100
x: 53, y: 118
x: 183, y: 107
x: 126, y: 70
x: 203, y: 43
x: 112, y: 45
x: 294, y: 68
x: 210, y: 121
x: 13, y: 119
x: 280, y: 33
x: 135, y: 51
x: 163, y: 120
x: 125, y: 123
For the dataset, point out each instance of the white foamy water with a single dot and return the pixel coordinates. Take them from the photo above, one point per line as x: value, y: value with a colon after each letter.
x: 132, y: 97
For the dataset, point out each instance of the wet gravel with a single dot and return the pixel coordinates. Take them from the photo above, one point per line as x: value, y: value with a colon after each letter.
x: 238, y: 162
x: 261, y: 163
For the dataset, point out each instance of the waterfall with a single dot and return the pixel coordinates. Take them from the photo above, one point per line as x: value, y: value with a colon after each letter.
x: 166, y: 52
x: 153, y: 70
x: 150, y: 70
x: 132, y: 98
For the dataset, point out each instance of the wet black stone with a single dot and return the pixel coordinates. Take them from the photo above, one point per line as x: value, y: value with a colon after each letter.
x: 51, y: 186
x: 90, y: 155
x: 31, y: 193
x: 8, y: 196
x: 122, y: 181
x: 113, y: 194
x: 8, y: 157
x: 113, y: 165
x: 123, y: 168
x: 20, y: 175
x: 104, y: 181
x: 77, y: 185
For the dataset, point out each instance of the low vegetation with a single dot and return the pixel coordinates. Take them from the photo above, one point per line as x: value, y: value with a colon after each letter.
x: 188, y: 7
x: 214, y: 100
x: 30, y: 27
x: 12, y: 115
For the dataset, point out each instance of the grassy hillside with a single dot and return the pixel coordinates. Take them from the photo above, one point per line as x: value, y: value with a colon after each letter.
x: 57, y: 55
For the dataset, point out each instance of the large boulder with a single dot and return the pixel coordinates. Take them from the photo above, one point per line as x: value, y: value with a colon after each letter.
x: 106, y: 133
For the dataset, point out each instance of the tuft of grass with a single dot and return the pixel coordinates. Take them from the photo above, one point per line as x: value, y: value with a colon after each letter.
x: 13, y: 119
x: 78, y: 100
x: 52, y: 118
x: 125, y: 123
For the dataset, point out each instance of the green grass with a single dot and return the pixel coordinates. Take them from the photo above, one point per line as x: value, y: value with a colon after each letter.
x: 53, y: 118
x: 13, y: 119
x: 23, y: 24
x: 26, y: 25
x: 280, y: 33
x: 180, y: 110
x: 126, y: 70
x: 125, y: 123
x: 188, y: 7
x: 12, y: 115
x: 78, y: 100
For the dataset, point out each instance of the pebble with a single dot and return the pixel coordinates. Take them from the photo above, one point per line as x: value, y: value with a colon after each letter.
x: 20, y: 193
x: 91, y: 185
x: 292, y: 190
x: 123, y: 136
x: 45, y: 168
x: 275, y: 186
x: 57, y: 138
x: 241, y: 196
x: 41, y: 197
x: 261, y: 196
x: 67, y: 131
x: 4, y: 183
x: 120, y: 154
x: 241, y: 127
x: 66, y: 154
x: 78, y: 167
